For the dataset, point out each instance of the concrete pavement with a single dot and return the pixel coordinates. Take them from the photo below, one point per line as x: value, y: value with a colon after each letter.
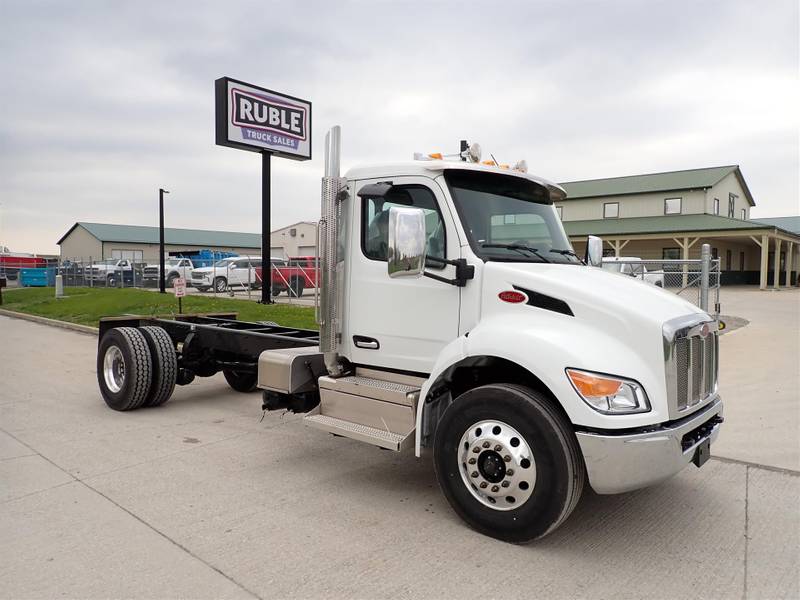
x: 760, y: 378
x: 200, y: 499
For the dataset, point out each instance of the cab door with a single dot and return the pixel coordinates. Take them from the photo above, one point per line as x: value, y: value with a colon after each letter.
x: 400, y: 323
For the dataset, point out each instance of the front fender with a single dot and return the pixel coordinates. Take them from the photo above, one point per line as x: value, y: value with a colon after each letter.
x: 545, y: 347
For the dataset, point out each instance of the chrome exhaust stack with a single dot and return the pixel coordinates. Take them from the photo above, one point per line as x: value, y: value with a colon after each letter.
x: 334, y: 192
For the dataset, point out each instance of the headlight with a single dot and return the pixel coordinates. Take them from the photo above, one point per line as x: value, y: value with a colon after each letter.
x: 609, y: 395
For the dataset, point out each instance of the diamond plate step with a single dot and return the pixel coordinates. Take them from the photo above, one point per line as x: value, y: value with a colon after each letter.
x: 370, y: 387
x: 362, y: 433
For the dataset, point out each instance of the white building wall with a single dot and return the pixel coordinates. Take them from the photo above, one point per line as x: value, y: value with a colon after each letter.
x: 729, y: 184
x: 81, y: 244
x: 295, y: 240
x: 632, y: 205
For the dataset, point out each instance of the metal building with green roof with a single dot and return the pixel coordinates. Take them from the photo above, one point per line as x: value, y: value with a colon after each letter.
x: 671, y: 214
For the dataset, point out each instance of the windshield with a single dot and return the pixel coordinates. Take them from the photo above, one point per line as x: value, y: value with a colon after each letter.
x: 172, y: 262
x: 222, y: 263
x: 509, y: 218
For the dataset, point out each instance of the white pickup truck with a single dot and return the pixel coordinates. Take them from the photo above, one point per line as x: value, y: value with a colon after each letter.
x: 174, y: 267
x: 112, y: 272
x: 633, y: 266
x: 236, y: 272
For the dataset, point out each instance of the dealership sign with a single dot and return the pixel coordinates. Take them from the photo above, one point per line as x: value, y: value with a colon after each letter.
x: 260, y: 120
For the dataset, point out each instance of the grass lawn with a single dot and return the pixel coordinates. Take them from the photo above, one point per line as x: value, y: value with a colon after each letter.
x: 87, y: 305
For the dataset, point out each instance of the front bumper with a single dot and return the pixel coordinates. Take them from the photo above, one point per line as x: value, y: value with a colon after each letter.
x: 621, y: 463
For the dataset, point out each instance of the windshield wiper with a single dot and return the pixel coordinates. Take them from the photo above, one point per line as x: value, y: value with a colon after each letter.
x: 566, y: 253
x: 518, y: 248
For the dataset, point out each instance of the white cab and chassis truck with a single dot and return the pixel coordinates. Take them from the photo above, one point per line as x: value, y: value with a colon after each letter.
x: 454, y: 316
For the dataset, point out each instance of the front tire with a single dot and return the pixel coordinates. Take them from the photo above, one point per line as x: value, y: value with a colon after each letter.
x: 241, y: 382
x: 508, y: 462
x: 124, y: 368
x: 220, y: 285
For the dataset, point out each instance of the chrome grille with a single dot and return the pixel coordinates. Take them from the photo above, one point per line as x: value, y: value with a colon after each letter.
x: 691, y: 366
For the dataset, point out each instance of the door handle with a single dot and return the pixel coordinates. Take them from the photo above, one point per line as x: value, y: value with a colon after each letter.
x: 365, y: 342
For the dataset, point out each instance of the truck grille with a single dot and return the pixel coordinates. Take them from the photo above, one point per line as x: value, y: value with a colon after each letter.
x: 691, y: 366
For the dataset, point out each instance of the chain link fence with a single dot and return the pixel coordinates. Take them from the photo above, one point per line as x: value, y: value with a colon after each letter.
x: 293, y: 280
x: 695, y: 280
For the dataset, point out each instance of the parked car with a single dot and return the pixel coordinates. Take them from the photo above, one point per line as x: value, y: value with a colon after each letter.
x: 175, y: 267
x: 239, y: 271
x: 293, y: 276
x: 633, y: 267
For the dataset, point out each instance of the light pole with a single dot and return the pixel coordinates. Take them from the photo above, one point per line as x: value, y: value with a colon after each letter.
x: 161, y: 261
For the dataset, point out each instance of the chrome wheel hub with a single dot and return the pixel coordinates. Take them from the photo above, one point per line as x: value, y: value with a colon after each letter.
x: 114, y: 369
x: 497, y: 465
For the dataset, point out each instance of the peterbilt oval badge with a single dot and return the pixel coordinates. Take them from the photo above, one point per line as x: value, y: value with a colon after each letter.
x: 512, y: 297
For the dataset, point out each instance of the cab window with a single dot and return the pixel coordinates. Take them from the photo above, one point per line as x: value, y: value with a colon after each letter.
x: 375, y: 221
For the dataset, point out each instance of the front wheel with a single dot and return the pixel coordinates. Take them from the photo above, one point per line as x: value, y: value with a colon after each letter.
x: 508, y: 462
x: 220, y: 285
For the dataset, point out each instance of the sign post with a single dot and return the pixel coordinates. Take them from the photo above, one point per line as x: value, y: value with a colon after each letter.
x: 256, y: 119
x: 179, y: 287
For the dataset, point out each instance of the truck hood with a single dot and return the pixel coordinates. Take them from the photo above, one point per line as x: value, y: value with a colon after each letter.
x: 609, y: 300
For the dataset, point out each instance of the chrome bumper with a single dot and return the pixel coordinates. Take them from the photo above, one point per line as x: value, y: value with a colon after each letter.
x: 621, y: 463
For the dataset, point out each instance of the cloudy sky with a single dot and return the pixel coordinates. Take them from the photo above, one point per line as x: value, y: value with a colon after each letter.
x: 103, y: 102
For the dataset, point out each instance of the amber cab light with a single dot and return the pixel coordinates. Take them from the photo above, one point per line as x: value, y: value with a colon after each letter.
x: 512, y: 296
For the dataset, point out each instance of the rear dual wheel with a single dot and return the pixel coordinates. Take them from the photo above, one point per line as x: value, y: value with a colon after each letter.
x: 508, y: 463
x: 136, y: 367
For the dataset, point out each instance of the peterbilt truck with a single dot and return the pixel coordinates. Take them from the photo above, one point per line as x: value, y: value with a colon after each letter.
x: 456, y: 320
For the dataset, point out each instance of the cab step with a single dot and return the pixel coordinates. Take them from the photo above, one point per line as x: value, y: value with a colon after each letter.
x: 371, y: 406
x: 362, y: 433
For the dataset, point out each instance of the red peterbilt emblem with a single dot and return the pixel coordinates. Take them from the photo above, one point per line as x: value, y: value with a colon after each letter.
x: 512, y: 296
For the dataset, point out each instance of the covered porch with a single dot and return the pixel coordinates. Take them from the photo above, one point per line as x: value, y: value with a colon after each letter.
x: 767, y: 257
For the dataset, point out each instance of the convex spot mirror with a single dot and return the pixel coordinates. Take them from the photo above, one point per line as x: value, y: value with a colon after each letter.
x: 407, y: 242
x: 594, y: 251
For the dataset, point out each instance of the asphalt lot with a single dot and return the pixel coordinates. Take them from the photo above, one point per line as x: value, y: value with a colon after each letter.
x: 201, y: 499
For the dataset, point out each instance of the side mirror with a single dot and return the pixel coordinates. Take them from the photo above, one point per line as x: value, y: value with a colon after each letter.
x: 407, y: 237
x: 594, y: 251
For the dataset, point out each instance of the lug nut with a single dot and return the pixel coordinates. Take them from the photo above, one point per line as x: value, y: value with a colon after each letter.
x: 474, y: 474
x: 507, y: 458
x: 476, y: 449
x: 472, y: 460
x: 495, y: 488
x: 484, y: 484
x: 497, y: 447
x: 486, y: 444
x: 510, y: 472
x: 505, y: 484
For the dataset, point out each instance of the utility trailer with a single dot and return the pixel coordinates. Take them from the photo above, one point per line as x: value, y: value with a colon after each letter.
x: 454, y: 316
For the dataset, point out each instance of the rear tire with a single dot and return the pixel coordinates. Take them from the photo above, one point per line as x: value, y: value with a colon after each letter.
x: 478, y: 441
x: 165, y: 365
x: 297, y: 287
x: 241, y: 382
x: 124, y: 368
x: 171, y: 280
